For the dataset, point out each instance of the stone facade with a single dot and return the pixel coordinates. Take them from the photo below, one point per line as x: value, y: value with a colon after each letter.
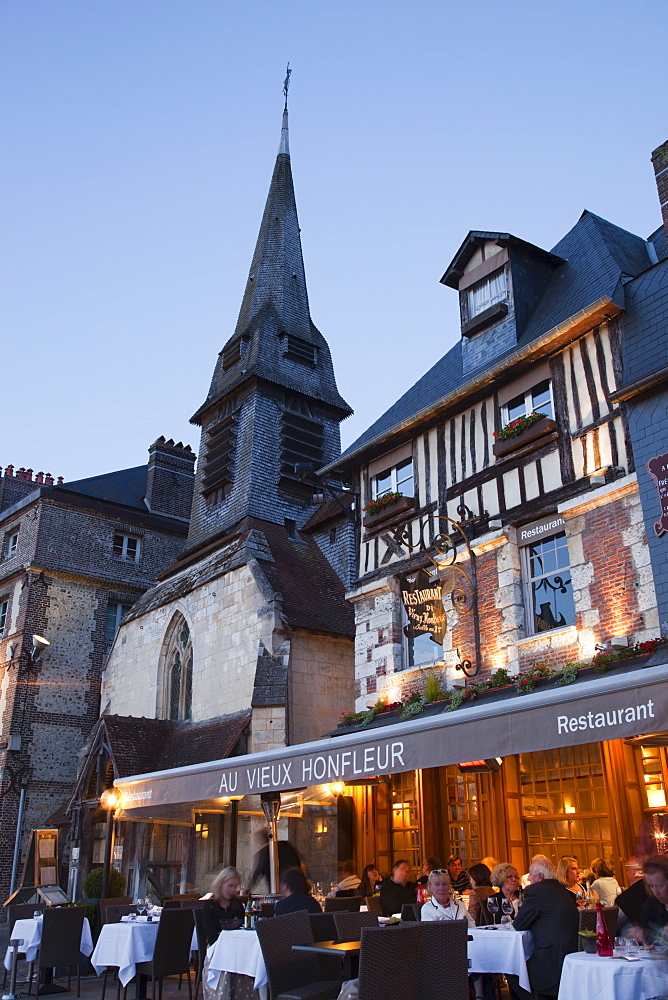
x: 61, y: 580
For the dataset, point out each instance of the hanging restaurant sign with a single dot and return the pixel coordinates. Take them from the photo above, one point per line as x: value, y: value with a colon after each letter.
x: 422, y: 596
x: 658, y: 470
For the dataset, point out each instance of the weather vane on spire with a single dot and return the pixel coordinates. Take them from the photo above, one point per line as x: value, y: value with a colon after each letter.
x: 286, y: 84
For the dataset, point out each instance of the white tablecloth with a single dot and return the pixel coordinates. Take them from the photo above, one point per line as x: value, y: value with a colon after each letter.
x: 501, y: 951
x: 236, y: 951
x: 123, y: 945
x: 30, y: 933
x: 589, y: 977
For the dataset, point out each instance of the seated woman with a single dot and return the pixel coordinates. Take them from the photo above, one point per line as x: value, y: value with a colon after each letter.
x: 371, y: 880
x: 224, y: 910
x: 442, y: 906
x: 605, y: 885
x: 507, y: 878
x: 481, y: 890
x: 295, y: 892
x: 568, y: 873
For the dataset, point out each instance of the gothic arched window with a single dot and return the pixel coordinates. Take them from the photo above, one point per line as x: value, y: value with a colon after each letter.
x: 179, y: 674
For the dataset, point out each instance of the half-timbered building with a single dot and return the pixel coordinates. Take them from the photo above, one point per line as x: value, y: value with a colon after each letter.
x: 502, y: 547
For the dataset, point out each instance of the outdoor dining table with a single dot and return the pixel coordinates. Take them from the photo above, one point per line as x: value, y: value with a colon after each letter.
x: 349, y: 950
x: 236, y: 952
x: 500, y: 950
x: 592, y: 978
x: 29, y: 933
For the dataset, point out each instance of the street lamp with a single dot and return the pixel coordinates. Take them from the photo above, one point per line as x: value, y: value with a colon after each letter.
x: 109, y: 800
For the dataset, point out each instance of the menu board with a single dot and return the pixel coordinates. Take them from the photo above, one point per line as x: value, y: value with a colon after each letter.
x: 41, y: 865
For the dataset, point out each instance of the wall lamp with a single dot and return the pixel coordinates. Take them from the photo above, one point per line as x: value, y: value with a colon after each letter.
x: 39, y: 644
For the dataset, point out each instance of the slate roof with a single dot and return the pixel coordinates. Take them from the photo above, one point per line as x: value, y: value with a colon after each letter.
x: 330, y: 510
x: 140, y: 745
x: 126, y: 487
x: 597, y: 256
x: 276, y: 302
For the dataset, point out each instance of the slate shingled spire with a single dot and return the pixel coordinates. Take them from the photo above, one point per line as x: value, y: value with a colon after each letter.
x: 275, y: 305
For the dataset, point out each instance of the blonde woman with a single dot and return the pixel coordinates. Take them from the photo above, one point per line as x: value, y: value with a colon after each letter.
x: 568, y: 873
x: 224, y: 911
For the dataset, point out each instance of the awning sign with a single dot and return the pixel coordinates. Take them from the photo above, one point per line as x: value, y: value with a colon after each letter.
x: 422, y: 596
x: 640, y: 706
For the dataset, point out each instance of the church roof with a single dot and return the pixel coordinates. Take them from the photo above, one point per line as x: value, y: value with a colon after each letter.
x: 126, y: 487
x: 275, y: 305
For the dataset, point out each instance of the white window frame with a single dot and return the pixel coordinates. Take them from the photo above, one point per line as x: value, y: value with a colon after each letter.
x: 123, y: 556
x: 528, y: 403
x: 496, y: 287
x: 395, y: 471
x: 528, y: 580
x: 12, y: 544
x: 4, y: 608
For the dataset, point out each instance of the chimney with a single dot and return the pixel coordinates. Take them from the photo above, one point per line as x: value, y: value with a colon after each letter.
x: 170, y: 479
x: 660, y: 164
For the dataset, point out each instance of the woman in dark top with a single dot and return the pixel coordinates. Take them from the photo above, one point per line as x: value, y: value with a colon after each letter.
x: 370, y: 881
x: 295, y: 892
x: 224, y: 911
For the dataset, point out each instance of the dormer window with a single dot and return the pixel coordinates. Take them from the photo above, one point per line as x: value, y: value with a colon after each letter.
x: 233, y: 353
x: 485, y: 294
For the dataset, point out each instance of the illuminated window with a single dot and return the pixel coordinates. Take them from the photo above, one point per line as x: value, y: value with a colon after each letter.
x: 462, y: 796
x: 535, y: 400
x: 548, y: 585
x: 564, y: 803
x: 396, y: 479
x: 404, y: 824
x: 652, y: 768
x: 485, y: 294
x: 127, y: 548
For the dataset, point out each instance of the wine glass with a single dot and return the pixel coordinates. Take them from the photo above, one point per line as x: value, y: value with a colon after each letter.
x: 493, y: 906
x: 507, y: 908
x: 141, y: 906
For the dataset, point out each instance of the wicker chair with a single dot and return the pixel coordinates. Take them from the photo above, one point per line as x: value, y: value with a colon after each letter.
x: 192, y: 904
x: 61, y: 943
x: 374, y: 905
x: 201, y: 945
x: 267, y: 910
x: 171, y: 904
x: 349, y: 925
x: 587, y: 921
x: 104, y: 903
x: 411, y: 911
x: 113, y: 914
x: 292, y: 975
x: 323, y: 926
x: 389, y: 966
x: 171, y: 956
x: 442, y: 968
x: 338, y: 903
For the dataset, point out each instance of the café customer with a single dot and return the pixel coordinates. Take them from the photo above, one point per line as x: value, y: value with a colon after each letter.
x: 295, y: 892
x: 223, y: 910
x: 654, y: 911
x: 398, y: 889
x: 458, y: 874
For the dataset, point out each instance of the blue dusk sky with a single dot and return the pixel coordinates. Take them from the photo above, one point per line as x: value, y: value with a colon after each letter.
x: 139, y: 139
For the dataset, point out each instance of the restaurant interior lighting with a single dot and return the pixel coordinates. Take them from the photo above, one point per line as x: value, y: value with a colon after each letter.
x: 337, y: 788
x: 656, y: 798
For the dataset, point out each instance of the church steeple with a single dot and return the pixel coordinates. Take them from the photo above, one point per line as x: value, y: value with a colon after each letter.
x: 275, y: 320
x: 273, y: 406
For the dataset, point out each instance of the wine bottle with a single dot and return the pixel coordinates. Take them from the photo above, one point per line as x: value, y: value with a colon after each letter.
x: 420, y: 893
x: 603, y: 941
x: 248, y: 914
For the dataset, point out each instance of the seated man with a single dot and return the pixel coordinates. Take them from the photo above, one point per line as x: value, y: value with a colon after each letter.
x: 550, y: 912
x: 442, y: 906
x: 397, y: 890
x: 653, y: 916
x: 458, y: 875
x: 350, y: 882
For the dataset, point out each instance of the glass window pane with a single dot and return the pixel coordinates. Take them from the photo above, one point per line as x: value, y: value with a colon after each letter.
x: 383, y: 483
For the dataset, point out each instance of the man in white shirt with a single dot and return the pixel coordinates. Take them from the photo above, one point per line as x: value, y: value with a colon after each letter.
x: 441, y: 906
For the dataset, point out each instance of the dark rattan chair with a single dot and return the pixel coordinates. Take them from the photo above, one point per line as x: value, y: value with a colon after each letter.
x: 293, y: 975
x: 348, y: 903
x: 201, y: 945
x: 389, y: 963
x: 267, y: 910
x: 442, y: 967
x: 61, y: 943
x: 104, y: 903
x: 192, y: 904
x: 349, y: 925
x: 374, y: 905
x: 323, y: 926
x: 171, y: 904
x: 171, y: 956
x: 113, y: 914
x: 411, y: 911
x: 587, y: 922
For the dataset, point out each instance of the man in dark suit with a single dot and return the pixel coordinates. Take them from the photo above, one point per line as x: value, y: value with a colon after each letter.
x: 550, y: 912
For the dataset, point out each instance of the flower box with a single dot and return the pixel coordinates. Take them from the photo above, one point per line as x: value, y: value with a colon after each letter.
x: 533, y: 433
x: 398, y: 507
